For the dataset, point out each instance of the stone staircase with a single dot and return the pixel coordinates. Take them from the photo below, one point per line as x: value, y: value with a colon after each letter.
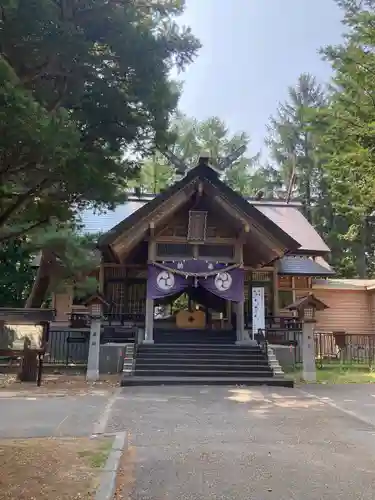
x: 196, y: 357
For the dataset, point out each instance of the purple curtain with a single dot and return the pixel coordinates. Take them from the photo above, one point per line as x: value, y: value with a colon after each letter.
x: 228, y: 285
x: 161, y: 283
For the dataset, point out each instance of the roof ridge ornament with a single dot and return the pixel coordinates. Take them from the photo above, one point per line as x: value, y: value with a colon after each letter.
x: 204, y: 160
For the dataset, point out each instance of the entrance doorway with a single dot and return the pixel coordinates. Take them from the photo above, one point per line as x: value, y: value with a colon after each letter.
x: 195, y: 308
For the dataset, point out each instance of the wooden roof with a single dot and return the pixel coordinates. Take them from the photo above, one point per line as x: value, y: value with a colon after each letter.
x: 294, y: 223
x: 302, y: 265
x: 26, y: 316
x: 287, y: 216
x: 134, y: 228
x: 309, y: 301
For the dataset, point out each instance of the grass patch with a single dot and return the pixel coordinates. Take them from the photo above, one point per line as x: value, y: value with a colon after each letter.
x: 336, y: 373
x: 97, y: 458
x: 51, y: 468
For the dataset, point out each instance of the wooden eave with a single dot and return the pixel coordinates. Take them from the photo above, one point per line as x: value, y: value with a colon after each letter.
x: 273, y: 241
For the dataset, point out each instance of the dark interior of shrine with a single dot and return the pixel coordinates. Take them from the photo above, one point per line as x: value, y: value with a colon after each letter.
x: 192, y: 299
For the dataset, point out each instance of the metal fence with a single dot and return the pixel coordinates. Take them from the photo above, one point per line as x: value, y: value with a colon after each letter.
x: 344, y: 348
x: 67, y: 347
x: 330, y: 347
x: 71, y: 347
x: 288, y: 337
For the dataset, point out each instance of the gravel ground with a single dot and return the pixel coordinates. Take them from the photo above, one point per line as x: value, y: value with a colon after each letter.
x: 262, y: 443
x: 357, y: 398
x: 50, y: 416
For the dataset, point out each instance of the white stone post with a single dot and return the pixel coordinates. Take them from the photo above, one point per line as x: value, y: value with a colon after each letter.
x: 94, y: 347
x: 308, y: 351
x: 149, y: 322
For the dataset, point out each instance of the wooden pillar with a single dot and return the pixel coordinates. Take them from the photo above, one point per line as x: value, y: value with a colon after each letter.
x: 229, y: 312
x: 149, y: 322
x: 240, y: 322
x: 294, y: 294
x: 149, y: 318
x: 276, y: 307
x: 101, y: 278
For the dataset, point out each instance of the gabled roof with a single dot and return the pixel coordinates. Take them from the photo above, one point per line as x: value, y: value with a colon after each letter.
x: 204, y: 173
x: 287, y: 216
x: 293, y: 222
x: 344, y: 284
x: 299, y: 265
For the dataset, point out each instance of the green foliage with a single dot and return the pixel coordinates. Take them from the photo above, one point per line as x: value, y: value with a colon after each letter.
x: 189, y: 138
x: 292, y: 143
x: 155, y: 174
x: 83, y: 85
x: 17, y: 273
x: 300, y: 139
x: 67, y: 259
x: 349, y: 136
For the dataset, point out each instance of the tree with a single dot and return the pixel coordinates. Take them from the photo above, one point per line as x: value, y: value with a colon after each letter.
x: 66, y: 257
x: 292, y: 143
x: 155, y: 174
x: 190, y: 138
x: 349, y: 135
x: 84, y: 86
x: 17, y: 273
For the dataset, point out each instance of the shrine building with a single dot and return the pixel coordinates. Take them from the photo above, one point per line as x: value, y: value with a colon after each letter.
x: 200, y: 264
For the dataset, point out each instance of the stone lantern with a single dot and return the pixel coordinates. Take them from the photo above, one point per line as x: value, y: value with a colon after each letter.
x: 95, y: 305
x: 306, y: 308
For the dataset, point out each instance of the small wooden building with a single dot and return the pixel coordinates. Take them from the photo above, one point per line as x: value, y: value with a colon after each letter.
x: 199, y: 255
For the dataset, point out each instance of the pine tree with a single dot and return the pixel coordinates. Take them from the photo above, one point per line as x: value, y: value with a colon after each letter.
x: 292, y: 143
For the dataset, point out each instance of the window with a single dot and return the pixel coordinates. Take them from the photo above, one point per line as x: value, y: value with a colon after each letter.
x: 261, y: 276
x: 285, y: 298
x: 285, y: 282
x: 174, y: 250
x: 301, y: 282
x: 216, y: 251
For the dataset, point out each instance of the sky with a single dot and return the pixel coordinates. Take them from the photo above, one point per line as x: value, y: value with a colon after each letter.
x: 252, y: 51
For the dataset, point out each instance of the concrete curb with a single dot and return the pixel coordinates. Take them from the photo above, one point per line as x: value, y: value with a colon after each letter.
x: 107, y: 484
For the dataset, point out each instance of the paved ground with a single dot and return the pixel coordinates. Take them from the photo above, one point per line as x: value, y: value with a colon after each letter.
x: 356, y: 398
x: 51, y: 416
x: 266, y: 443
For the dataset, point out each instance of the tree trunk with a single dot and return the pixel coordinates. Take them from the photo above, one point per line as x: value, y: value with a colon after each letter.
x: 41, y: 284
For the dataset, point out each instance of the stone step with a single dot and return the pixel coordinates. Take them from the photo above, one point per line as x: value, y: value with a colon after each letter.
x: 211, y: 357
x: 202, y: 373
x: 196, y: 348
x: 196, y: 338
x: 202, y: 364
x: 194, y: 341
x: 228, y: 381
